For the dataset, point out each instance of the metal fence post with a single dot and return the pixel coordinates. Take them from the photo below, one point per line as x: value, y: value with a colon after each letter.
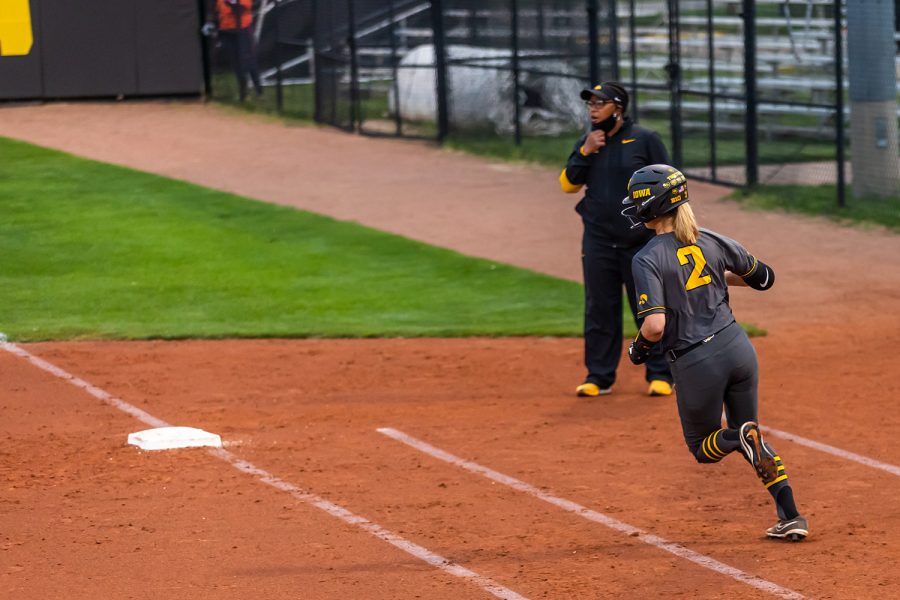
x: 398, y: 121
x: 674, y: 71
x: 750, y: 115
x: 593, y: 41
x: 205, y: 16
x: 514, y: 13
x: 355, y: 119
x: 872, y: 91
x: 318, y: 91
x: 279, y: 94
x: 632, y: 42
x: 613, y: 44
x: 711, y: 73
x: 440, y: 68
x: 839, y: 105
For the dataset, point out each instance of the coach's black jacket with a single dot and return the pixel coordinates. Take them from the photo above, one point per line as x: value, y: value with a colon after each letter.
x: 606, y: 174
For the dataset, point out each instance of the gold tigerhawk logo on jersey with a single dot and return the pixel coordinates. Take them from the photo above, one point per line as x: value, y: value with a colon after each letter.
x: 643, y: 299
x: 640, y: 193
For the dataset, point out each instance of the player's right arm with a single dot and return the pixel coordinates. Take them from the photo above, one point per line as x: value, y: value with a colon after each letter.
x: 761, y: 276
x: 574, y: 176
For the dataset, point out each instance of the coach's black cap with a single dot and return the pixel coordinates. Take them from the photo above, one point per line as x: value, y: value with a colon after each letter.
x: 609, y: 91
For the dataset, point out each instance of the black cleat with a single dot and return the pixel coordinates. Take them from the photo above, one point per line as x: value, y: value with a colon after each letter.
x: 795, y: 529
x: 756, y: 452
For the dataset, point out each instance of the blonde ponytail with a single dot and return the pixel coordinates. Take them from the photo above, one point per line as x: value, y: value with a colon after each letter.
x: 685, y: 225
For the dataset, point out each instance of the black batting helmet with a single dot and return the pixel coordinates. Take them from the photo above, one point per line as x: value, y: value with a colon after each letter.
x: 652, y: 192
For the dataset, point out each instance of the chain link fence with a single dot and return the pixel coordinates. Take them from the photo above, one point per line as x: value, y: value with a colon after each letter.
x: 744, y: 92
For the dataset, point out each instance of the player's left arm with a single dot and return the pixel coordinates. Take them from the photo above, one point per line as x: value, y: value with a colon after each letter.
x: 650, y: 333
x: 653, y: 327
x: 651, y: 307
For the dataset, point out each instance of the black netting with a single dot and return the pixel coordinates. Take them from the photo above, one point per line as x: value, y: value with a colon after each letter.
x: 397, y: 92
x: 333, y: 72
x: 515, y: 68
x: 738, y: 100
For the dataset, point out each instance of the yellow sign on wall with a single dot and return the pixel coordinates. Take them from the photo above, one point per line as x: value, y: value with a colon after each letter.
x: 15, y: 28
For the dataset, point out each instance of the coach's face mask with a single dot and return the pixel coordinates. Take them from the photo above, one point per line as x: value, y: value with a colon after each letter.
x: 607, y: 124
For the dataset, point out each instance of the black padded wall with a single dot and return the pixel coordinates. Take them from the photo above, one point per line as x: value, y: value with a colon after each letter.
x: 20, y: 76
x: 168, y: 47
x: 88, y: 48
x: 108, y: 48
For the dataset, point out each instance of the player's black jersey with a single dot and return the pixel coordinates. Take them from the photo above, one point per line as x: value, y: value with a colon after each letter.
x: 687, y: 283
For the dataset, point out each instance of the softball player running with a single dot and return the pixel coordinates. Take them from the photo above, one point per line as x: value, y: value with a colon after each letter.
x: 681, y: 281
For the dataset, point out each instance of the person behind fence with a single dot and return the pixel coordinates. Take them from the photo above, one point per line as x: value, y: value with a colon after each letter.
x: 603, y: 159
x: 235, y: 20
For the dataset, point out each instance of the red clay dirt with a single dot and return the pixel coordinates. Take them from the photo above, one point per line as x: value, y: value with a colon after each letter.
x: 82, y: 515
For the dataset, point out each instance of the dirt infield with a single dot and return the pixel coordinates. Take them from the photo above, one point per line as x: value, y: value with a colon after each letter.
x: 84, y: 516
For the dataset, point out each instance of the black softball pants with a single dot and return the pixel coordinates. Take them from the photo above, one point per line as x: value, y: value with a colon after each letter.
x: 723, y: 371
x: 606, y: 269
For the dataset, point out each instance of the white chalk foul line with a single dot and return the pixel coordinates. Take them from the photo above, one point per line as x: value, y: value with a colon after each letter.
x: 96, y: 392
x: 433, y: 559
x: 863, y: 460
x: 592, y: 515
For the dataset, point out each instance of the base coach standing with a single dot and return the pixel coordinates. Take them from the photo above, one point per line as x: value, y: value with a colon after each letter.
x: 603, y: 160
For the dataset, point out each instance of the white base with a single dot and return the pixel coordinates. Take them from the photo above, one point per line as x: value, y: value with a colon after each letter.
x: 166, y: 438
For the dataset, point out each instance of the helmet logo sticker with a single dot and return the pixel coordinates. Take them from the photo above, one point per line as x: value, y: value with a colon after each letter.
x: 642, y: 299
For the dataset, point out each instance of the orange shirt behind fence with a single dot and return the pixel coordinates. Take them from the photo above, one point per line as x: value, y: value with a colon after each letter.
x: 230, y: 13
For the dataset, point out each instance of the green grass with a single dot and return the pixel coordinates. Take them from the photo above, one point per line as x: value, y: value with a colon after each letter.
x: 298, y: 101
x: 731, y: 147
x: 90, y: 250
x: 552, y: 151
x: 821, y: 200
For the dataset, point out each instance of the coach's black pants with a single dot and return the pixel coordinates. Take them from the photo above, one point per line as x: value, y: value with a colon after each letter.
x: 606, y: 270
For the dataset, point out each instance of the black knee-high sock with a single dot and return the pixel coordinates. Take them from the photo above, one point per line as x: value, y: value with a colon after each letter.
x: 717, y: 446
x: 781, y: 490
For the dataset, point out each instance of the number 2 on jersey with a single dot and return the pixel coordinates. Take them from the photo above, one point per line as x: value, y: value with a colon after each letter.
x: 696, y: 279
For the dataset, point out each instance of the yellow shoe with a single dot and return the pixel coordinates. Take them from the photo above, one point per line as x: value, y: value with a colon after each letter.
x: 592, y: 389
x: 658, y: 387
